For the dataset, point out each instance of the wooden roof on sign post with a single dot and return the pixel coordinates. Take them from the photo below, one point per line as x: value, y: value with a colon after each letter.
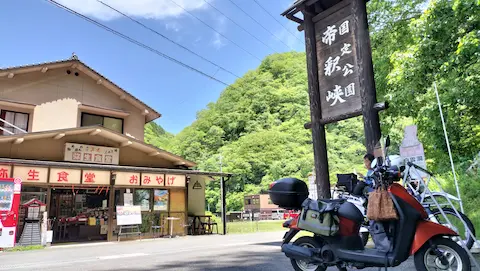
x: 316, y: 6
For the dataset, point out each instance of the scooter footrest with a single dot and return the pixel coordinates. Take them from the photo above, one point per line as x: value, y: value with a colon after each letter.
x: 368, y: 256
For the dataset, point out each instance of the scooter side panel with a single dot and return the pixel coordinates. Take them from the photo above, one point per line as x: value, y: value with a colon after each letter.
x: 425, y: 231
x: 403, y: 194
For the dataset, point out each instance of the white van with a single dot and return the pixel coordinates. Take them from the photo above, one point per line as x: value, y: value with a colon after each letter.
x: 277, y: 214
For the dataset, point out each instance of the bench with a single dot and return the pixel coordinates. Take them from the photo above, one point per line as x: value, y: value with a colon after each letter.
x: 129, y: 230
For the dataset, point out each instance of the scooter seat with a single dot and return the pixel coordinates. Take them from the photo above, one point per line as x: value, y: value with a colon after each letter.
x: 332, y: 200
x: 350, y: 211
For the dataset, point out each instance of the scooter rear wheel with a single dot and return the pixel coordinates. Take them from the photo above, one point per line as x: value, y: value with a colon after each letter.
x: 426, y: 259
x: 308, y: 242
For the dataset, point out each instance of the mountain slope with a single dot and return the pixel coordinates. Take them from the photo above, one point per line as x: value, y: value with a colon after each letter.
x: 157, y: 136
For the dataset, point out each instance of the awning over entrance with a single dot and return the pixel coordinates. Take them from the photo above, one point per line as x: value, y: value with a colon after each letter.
x: 96, y: 135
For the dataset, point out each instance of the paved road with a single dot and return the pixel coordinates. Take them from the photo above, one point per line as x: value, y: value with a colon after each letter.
x: 252, y: 252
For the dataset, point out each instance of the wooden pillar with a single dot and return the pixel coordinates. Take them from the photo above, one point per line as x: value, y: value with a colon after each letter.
x: 224, y: 205
x: 318, y: 129
x: 371, y: 120
x: 111, y: 206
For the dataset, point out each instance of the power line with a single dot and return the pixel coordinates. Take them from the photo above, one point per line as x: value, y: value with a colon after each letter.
x: 239, y: 26
x: 266, y: 11
x: 207, y: 25
x: 167, y: 38
x: 142, y: 45
x: 246, y: 13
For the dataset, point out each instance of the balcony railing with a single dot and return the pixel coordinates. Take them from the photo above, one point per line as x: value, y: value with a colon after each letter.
x: 5, y: 124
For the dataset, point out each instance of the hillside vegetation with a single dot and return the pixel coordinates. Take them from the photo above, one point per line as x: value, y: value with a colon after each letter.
x: 255, y: 128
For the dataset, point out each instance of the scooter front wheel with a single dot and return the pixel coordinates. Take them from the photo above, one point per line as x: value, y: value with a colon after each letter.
x: 299, y: 265
x: 442, y: 254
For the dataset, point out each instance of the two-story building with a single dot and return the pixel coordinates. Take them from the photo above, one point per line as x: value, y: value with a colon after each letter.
x: 260, y: 207
x: 76, y: 140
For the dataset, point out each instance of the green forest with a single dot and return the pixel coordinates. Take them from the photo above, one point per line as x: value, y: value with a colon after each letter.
x: 255, y: 128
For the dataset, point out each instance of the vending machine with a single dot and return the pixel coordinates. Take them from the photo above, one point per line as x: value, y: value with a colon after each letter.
x: 9, y: 202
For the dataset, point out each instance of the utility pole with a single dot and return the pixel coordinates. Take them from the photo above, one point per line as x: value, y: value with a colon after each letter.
x: 223, y: 197
x: 221, y: 163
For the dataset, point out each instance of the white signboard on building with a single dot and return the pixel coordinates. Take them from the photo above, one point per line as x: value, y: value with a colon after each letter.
x: 91, y: 154
x: 129, y: 215
x: 412, y: 150
x: 312, y: 188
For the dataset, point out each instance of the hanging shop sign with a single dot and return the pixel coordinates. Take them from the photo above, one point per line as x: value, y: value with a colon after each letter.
x: 153, y: 179
x: 175, y: 180
x: 91, y: 154
x: 338, y: 65
x: 31, y: 174
x: 96, y: 177
x: 127, y: 178
x: 65, y: 176
x: 5, y: 171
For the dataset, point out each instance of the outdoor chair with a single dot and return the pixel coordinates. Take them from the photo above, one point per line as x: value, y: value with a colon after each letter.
x: 157, y: 229
x: 188, y: 226
x: 211, y: 226
x: 208, y: 227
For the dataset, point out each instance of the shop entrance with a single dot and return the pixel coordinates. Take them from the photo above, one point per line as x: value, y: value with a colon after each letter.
x: 79, y: 214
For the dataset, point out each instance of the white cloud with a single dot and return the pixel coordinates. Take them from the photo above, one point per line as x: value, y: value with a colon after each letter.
x: 173, y: 26
x: 148, y: 9
x: 220, y: 25
x: 218, y: 41
x: 197, y: 40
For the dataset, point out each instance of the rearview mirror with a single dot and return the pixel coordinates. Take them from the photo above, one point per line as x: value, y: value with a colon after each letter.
x: 379, y: 161
x: 387, y: 141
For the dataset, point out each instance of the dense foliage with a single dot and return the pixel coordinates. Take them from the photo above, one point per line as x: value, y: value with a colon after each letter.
x: 255, y: 129
x: 157, y: 136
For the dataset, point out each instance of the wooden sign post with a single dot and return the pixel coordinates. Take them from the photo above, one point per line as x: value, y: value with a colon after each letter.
x: 340, y: 73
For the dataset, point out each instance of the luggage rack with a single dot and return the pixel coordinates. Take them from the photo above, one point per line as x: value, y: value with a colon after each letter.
x: 427, y: 194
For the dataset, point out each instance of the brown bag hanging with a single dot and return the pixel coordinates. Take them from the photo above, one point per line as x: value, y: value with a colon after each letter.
x: 380, y: 206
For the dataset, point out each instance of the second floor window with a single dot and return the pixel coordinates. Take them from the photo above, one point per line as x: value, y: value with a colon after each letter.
x: 20, y: 120
x: 114, y: 124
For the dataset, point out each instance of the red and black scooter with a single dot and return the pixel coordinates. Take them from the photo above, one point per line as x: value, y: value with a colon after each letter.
x: 411, y: 235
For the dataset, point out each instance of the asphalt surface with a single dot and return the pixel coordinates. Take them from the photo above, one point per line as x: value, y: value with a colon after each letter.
x: 252, y: 252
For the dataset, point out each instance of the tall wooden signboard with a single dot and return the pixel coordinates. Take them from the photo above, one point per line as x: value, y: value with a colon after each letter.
x: 340, y: 73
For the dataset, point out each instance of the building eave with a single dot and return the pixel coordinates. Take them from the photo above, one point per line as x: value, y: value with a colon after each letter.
x: 121, y: 139
x: 9, y: 161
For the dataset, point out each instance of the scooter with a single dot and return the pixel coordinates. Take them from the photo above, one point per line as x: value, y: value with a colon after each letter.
x: 411, y: 235
x: 360, y: 201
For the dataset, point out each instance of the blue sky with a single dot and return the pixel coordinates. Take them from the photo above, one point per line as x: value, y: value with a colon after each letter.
x: 36, y: 31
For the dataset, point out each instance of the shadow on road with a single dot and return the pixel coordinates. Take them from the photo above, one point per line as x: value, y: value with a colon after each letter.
x: 221, y: 262
x: 274, y: 244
